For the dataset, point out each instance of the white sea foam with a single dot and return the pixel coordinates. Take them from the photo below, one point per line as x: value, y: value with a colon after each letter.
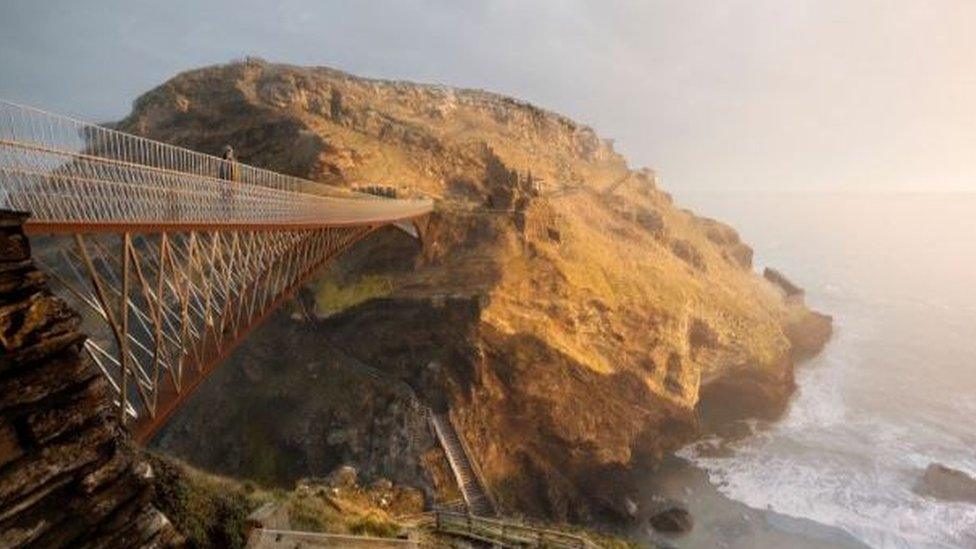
x: 847, y: 468
x: 892, y: 393
x: 835, y: 483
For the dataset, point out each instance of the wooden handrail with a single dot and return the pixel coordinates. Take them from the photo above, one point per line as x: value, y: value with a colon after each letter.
x: 475, y: 465
x: 505, y: 532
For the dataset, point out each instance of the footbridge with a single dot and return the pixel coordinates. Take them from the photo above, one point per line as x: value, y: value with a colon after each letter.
x: 176, y: 255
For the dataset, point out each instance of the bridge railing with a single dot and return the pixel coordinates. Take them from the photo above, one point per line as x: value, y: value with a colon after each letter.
x: 25, y: 124
x: 64, y: 170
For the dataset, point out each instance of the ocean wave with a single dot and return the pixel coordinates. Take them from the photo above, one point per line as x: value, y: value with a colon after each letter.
x: 873, y: 504
x: 893, y: 392
x: 845, y: 466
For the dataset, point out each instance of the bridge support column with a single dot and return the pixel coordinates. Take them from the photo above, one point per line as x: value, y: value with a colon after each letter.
x: 426, y: 228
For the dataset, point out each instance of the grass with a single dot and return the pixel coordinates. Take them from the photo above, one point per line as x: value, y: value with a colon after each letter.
x: 373, y: 525
x: 209, y: 511
x: 341, y: 511
x: 331, y: 298
x: 313, y: 514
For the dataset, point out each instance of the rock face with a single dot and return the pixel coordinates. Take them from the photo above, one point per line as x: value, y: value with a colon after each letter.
x: 780, y: 280
x: 572, y: 331
x: 288, y: 406
x: 947, y: 484
x: 67, y: 478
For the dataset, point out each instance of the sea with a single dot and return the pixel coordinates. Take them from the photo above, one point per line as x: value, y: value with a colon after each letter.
x: 894, y: 390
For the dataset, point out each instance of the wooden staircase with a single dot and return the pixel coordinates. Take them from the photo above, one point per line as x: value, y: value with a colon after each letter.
x: 468, y: 480
x: 468, y: 477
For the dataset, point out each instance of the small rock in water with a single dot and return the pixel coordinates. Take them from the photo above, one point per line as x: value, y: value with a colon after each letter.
x: 672, y: 521
x: 946, y: 483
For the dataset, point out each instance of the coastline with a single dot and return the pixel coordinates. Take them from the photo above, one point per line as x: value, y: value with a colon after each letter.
x: 720, y: 521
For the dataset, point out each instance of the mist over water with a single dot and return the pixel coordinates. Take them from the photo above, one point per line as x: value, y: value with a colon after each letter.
x: 895, y: 390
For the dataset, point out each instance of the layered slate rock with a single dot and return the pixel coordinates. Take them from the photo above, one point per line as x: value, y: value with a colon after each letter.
x: 68, y: 477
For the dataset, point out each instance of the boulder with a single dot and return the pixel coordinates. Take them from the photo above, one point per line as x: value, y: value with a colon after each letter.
x: 674, y: 520
x: 946, y: 483
x: 344, y: 476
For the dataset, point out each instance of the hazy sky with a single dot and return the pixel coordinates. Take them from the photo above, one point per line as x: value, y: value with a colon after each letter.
x: 724, y: 94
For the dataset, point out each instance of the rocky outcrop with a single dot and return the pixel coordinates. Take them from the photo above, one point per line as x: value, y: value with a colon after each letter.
x: 291, y: 406
x: 808, y: 332
x: 946, y: 483
x: 572, y: 334
x: 733, y: 249
x: 381, y: 492
x: 747, y: 390
x: 67, y: 476
x: 783, y: 283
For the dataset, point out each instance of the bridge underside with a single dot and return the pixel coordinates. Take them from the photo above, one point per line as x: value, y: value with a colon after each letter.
x: 164, y: 309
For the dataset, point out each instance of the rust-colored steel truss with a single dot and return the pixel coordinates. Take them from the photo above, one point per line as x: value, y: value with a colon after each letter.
x: 174, y: 305
x: 176, y: 255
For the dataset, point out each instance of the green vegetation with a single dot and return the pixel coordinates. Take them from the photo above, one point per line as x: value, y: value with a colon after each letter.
x: 331, y: 298
x: 372, y: 524
x: 211, y: 511
x: 341, y: 511
x: 313, y: 514
x: 208, y: 510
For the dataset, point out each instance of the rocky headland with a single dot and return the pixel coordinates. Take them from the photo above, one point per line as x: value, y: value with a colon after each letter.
x: 573, y: 319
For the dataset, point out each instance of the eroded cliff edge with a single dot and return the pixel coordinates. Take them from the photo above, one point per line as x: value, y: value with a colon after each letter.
x: 572, y: 331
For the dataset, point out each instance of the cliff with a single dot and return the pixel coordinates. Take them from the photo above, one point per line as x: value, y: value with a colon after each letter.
x: 572, y: 331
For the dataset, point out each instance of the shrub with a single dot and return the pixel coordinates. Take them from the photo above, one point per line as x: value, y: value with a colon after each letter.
x: 206, y: 512
x: 372, y: 525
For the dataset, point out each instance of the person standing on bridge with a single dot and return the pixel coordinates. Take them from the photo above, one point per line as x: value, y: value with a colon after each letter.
x: 228, y: 171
